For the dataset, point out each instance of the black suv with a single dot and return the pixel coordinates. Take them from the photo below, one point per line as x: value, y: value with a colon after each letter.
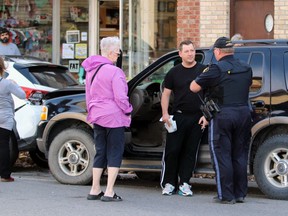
x: 66, y: 138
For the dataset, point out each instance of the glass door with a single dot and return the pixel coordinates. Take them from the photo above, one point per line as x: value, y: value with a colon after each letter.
x: 147, y: 29
x: 108, y: 18
x: 138, y: 35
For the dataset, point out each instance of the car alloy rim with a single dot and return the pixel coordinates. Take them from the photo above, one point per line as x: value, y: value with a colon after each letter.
x: 73, y: 158
x: 276, y: 167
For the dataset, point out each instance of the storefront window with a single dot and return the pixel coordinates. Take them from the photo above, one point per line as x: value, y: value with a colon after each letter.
x: 151, y: 33
x: 74, y: 34
x: 109, y: 18
x: 30, y: 24
x: 147, y: 30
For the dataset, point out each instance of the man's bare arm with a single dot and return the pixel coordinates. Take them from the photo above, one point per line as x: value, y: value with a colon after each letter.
x: 165, y: 104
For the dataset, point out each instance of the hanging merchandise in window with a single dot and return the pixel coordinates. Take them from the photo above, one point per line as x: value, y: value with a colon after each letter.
x: 30, y: 25
x: 79, y: 14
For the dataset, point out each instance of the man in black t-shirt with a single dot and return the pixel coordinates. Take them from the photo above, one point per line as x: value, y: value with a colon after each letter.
x: 179, y: 157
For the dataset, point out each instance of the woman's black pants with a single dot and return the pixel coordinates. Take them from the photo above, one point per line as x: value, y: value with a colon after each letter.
x: 5, y: 169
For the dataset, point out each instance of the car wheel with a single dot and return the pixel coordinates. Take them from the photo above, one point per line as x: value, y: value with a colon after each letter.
x: 271, y: 167
x: 14, y: 151
x: 149, y: 176
x: 39, y: 158
x: 71, y: 155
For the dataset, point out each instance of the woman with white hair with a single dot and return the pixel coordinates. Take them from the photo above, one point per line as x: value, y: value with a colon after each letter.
x: 109, y: 111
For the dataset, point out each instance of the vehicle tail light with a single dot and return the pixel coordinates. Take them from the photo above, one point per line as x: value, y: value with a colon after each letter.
x: 44, y: 113
x: 34, y: 95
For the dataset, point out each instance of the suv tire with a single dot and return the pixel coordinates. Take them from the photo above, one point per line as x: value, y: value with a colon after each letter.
x: 71, y: 156
x: 271, y: 167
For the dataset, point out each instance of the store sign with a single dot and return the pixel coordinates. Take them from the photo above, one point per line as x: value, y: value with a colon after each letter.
x: 74, y: 66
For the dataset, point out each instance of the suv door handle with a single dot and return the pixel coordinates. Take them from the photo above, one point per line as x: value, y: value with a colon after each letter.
x: 258, y: 104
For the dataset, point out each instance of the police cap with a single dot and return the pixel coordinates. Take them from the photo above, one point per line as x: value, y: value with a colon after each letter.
x: 223, y: 42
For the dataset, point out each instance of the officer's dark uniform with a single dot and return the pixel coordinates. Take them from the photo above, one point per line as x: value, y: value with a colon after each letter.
x: 228, y: 84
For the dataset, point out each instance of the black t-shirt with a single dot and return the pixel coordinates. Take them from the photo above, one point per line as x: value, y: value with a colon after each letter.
x: 178, y: 80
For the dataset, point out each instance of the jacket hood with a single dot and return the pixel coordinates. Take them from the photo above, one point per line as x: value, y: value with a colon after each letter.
x: 92, y: 62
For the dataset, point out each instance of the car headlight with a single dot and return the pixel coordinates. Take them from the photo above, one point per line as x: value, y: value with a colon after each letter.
x: 44, y: 113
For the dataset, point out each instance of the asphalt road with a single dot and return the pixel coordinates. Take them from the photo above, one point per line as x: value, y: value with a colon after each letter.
x: 36, y: 192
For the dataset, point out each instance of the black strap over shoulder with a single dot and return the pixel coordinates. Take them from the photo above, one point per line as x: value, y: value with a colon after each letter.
x: 96, y: 73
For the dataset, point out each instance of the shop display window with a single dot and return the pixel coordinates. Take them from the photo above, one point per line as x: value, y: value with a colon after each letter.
x: 30, y: 25
x: 148, y: 34
x: 154, y: 33
x: 109, y: 19
x: 74, y: 18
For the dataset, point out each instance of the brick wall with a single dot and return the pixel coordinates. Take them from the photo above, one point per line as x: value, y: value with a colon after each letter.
x: 280, y: 19
x: 214, y: 20
x: 204, y: 21
x: 188, y: 17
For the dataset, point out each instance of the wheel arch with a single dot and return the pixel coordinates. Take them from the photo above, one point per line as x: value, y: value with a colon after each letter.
x: 264, y: 130
x: 63, y: 121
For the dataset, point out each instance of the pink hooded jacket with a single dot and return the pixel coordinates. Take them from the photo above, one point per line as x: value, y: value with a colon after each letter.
x: 106, y: 98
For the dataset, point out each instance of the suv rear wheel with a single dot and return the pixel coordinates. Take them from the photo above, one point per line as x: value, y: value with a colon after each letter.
x: 271, y: 167
x: 71, y: 156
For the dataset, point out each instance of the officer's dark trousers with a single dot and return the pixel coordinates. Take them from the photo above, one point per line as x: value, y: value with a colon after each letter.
x: 229, y: 136
x: 180, y: 154
x: 4, y: 153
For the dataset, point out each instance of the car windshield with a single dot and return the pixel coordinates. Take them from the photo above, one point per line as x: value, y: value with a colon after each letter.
x: 51, y: 76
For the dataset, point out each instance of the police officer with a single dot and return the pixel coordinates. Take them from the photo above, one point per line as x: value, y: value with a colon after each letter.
x: 227, y: 84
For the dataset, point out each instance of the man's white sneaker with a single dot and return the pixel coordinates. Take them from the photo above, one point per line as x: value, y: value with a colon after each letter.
x: 185, y: 190
x: 168, y: 189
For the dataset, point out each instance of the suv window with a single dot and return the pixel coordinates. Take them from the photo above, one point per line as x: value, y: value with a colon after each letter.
x: 257, y: 64
x: 286, y: 67
x: 54, y: 77
x: 159, y: 75
x: 256, y: 61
